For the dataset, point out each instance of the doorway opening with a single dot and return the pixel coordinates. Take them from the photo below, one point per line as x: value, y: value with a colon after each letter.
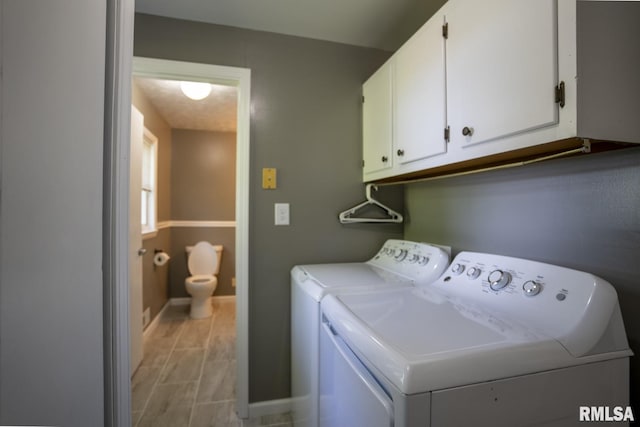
x: 238, y: 79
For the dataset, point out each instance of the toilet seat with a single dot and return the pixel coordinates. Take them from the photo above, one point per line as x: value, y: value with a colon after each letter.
x: 203, y: 260
x: 200, y: 279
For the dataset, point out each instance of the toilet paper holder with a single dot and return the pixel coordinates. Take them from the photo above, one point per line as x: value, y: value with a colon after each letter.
x: 160, y: 257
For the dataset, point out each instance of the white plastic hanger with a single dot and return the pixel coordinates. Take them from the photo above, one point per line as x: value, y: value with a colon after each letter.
x: 392, y: 216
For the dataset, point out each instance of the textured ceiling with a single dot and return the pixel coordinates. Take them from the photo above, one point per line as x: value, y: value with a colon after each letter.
x: 382, y: 24
x: 217, y: 112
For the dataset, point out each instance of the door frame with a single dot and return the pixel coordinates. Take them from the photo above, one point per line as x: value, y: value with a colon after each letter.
x: 240, y: 78
x: 119, y: 68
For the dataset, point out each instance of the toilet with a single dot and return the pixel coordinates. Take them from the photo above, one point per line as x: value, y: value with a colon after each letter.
x: 204, y: 265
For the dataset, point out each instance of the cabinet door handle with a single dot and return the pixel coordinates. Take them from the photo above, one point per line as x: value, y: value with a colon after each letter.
x: 400, y: 152
x: 467, y: 131
x: 384, y: 159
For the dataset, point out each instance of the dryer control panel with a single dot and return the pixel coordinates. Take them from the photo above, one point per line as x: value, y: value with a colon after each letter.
x: 419, y: 262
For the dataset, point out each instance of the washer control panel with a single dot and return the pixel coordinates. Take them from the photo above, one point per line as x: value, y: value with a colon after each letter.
x: 419, y: 262
x: 497, y: 277
x: 554, y: 300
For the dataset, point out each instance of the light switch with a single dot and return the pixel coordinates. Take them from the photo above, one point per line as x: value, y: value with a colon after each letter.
x: 282, y: 214
x: 269, y: 178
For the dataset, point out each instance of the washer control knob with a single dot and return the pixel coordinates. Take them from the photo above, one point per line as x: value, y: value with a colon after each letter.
x: 498, y: 279
x: 531, y: 288
x: 457, y: 268
x: 424, y: 260
x: 401, y: 254
x: 474, y: 272
x: 414, y: 258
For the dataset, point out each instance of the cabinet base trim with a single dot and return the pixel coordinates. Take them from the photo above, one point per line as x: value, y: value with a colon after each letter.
x: 510, y: 159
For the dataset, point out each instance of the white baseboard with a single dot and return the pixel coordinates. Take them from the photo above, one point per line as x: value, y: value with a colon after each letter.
x: 224, y: 297
x: 187, y: 300
x: 269, y: 407
x: 180, y: 301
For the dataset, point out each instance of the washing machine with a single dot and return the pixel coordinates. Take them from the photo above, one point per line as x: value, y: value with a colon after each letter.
x: 495, y: 341
x: 398, y: 264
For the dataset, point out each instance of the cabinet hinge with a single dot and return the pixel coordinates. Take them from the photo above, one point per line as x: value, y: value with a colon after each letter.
x: 445, y: 30
x: 363, y: 163
x: 560, y: 94
x: 447, y: 131
x: 363, y: 99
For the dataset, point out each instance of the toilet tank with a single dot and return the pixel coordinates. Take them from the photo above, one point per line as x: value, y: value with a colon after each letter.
x: 218, y: 249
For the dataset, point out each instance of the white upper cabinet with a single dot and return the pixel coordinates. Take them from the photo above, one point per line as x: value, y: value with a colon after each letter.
x: 501, y: 68
x: 419, y: 95
x: 409, y: 128
x: 377, y: 128
x: 494, y: 82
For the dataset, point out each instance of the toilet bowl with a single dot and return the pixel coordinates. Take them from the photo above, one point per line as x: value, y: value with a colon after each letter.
x: 204, y: 265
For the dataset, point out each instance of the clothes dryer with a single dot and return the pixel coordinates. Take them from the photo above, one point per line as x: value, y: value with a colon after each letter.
x: 398, y: 264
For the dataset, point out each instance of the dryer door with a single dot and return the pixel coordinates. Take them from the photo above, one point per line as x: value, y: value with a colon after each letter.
x: 349, y: 394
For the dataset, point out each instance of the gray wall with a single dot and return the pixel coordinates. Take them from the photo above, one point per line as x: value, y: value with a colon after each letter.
x: 51, y: 336
x: 581, y: 213
x: 156, y: 288
x: 203, y: 183
x: 155, y: 280
x: 306, y: 122
x: 608, y: 32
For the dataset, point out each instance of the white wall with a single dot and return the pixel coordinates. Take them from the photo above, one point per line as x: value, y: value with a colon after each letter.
x: 52, y: 108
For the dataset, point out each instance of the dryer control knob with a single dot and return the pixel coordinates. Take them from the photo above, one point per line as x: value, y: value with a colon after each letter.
x: 474, y: 272
x: 457, y: 268
x: 498, y: 279
x: 400, y: 256
x: 531, y: 288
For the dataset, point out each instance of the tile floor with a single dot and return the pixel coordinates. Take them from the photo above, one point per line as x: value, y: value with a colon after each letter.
x: 187, y: 377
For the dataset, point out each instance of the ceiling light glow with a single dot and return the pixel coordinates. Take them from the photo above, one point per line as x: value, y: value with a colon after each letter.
x: 195, y: 90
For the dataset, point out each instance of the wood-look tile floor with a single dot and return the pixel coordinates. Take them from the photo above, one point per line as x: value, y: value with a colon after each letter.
x: 187, y: 377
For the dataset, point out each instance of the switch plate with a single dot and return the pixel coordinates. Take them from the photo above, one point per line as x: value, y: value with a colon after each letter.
x: 282, y: 213
x: 269, y: 178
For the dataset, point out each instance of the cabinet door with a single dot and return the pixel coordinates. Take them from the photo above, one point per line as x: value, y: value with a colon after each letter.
x: 419, y: 95
x: 501, y: 68
x: 376, y: 121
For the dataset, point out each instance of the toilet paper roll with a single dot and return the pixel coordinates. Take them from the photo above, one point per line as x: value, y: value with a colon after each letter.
x: 161, y: 259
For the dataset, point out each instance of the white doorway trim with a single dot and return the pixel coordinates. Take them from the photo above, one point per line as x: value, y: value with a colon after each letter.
x: 241, y: 79
x: 119, y: 65
x: 115, y: 222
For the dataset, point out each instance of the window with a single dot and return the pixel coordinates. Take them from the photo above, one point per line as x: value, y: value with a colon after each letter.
x: 149, y: 183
